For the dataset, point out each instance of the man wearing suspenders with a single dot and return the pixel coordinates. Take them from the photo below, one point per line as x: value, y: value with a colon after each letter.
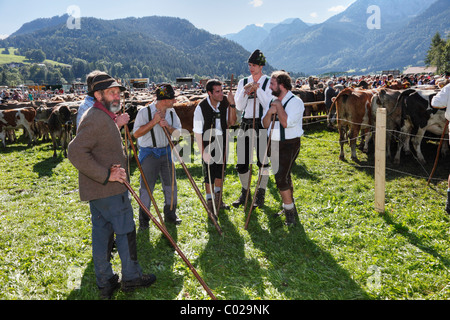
x: 288, y: 110
x: 155, y: 153
x: 212, y: 117
x: 254, y: 87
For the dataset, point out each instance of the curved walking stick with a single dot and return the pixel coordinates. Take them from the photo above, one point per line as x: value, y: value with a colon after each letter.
x: 260, y: 174
x: 164, y: 231
x: 438, y: 152
x: 251, y: 155
x: 191, y: 180
x: 144, y: 179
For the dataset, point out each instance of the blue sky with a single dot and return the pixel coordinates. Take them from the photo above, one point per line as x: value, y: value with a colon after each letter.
x: 218, y: 17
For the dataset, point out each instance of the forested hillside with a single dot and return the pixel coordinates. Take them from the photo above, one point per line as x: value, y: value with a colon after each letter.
x: 159, y: 48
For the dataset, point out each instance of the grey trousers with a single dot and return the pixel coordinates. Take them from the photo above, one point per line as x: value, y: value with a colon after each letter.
x: 114, y: 215
x: 162, y: 168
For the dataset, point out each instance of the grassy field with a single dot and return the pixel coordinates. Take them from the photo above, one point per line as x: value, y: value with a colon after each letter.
x: 11, y: 57
x: 341, y: 249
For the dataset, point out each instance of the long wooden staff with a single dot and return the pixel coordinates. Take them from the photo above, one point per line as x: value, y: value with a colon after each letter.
x: 251, y: 154
x: 211, y: 186
x: 438, y: 152
x: 164, y: 231
x: 225, y: 151
x: 126, y: 141
x: 144, y: 179
x: 191, y: 180
x: 261, y: 171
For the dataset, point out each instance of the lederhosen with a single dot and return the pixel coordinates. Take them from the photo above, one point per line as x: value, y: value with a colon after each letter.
x: 242, y: 166
x: 209, y: 122
x: 288, y: 151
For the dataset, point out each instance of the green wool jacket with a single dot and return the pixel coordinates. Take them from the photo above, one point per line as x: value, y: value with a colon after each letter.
x: 96, y: 148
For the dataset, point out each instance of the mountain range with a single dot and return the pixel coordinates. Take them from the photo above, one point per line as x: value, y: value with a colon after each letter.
x: 346, y: 43
x: 164, y: 48
x: 159, y: 48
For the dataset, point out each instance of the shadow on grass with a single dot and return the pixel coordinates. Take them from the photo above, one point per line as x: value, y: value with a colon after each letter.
x: 418, y: 241
x: 45, y: 167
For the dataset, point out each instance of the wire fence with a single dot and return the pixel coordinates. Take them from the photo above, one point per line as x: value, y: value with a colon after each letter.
x: 426, y: 173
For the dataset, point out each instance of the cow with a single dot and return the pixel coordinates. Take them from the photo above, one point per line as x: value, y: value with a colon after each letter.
x: 41, y: 121
x: 60, y: 126
x: 16, y: 119
x: 387, y: 98
x: 418, y: 117
x: 353, y: 109
x: 312, y: 96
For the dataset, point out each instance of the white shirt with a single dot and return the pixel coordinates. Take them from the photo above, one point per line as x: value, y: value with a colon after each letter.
x: 146, y: 140
x: 199, y: 120
x: 294, y: 109
x: 442, y: 100
x: 263, y: 97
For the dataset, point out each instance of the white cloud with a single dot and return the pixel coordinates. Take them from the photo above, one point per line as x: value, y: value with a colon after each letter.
x: 313, y: 15
x: 337, y: 9
x: 3, y: 36
x: 256, y: 3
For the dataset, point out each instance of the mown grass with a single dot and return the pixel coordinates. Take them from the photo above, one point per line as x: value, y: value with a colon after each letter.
x: 341, y: 249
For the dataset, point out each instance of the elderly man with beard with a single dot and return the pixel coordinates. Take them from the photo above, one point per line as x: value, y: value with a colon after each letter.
x: 98, y: 153
x: 288, y: 112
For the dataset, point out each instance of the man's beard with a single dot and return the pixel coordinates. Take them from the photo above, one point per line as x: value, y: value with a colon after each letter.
x: 113, y: 106
x: 276, y: 92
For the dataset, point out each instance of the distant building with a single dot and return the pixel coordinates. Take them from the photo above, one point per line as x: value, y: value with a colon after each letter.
x: 420, y: 70
x: 185, y: 81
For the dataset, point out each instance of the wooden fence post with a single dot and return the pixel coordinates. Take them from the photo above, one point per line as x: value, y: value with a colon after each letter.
x: 380, y: 160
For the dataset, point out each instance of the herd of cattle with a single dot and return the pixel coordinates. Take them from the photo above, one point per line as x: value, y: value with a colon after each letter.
x: 409, y: 116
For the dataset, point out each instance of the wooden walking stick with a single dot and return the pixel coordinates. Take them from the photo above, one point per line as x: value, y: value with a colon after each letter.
x: 191, y: 180
x: 225, y: 150
x: 251, y: 155
x: 211, y: 186
x: 261, y: 171
x: 164, y: 231
x: 144, y: 179
x: 438, y: 152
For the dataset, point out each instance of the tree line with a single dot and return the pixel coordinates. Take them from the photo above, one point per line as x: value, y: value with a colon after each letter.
x: 439, y: 54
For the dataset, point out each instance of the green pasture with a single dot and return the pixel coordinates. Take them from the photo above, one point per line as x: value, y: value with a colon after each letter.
x: 12, y: 58
x: 341, y: 248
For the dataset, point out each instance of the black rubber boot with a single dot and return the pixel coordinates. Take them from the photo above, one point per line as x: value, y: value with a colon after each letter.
x: 113, y: 284
x: 171, y: 216
x: 144, y: 220
x: 260, y: 197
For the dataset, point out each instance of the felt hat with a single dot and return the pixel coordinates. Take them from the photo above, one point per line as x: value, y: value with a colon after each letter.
x: 257, y: 57
x: 165, y: 92
x: 104, y: 81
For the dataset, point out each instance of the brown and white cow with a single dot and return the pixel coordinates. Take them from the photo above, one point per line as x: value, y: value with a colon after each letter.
x: 353, y: 109
x: 16, y: 119
x: 60, y: 125
x: 387, y: 98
